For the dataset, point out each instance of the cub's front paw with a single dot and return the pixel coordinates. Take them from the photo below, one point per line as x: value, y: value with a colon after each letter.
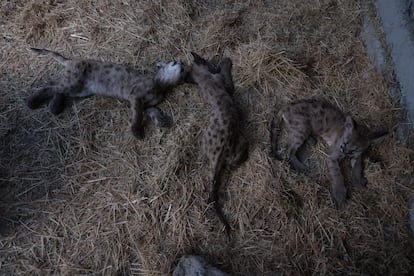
x: 137, y: 132
x: 298, y: 166
x: 359, y: 182
x: 339, y: 193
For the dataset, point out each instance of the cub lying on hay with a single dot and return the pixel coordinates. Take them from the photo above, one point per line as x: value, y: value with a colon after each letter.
x: 84, y: 78
x: 222, y: 141
x: 317, y: 117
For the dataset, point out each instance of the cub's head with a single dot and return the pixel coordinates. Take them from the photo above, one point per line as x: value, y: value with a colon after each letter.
x: 170, y: 73
x: 201, y: 68
x: 357, y: 138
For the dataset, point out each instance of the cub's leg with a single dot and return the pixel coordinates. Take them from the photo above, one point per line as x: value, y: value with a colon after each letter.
x: 303, y: 152
x: 225, y: 66
x: 41, y: 96
x: 57, y: 104
x: 137, y: 127
x: 241, y: 151
x: 358, y: 180
x: 338, y: 186
x: 297, y: 139
x: 56, y: 95
x: 159, y: 118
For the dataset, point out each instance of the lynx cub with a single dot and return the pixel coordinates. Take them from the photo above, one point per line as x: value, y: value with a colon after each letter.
x: 317, y: 117
x: 89, y: 77
x: 222, y: 142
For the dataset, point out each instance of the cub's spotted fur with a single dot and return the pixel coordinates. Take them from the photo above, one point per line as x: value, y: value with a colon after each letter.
x: 222, y: 142
x: 90, y: 77
x: 317, y: 117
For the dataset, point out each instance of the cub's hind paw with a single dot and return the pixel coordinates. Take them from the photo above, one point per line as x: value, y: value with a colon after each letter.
x: 298, y: 167
x: 137, y: 132
x: 34, y: 102
x: 339, y: 194
x: 40, y: 97
x: 57, y: 104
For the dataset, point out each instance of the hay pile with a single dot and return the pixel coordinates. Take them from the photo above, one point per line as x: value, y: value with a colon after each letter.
x: 78, y: 195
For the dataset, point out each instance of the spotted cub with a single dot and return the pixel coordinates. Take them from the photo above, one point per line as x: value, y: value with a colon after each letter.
x: 222, y: 141
x: 317, y: 117
x: 90, y: 77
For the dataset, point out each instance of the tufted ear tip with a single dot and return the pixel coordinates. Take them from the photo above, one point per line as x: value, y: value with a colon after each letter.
x: 198, y: 59
x: 377, y: 136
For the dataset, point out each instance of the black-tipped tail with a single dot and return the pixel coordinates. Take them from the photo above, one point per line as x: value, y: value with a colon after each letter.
x: 217, y: 209
x: 36, y: 50
x: 222, y: 218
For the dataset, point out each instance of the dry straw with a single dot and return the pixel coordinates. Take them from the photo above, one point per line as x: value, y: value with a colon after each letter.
x: 78, y: 195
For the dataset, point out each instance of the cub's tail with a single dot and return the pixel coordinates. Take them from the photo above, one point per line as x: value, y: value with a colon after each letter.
x: 56, y: 56
x: 274, y: 135
x: 217, y: 209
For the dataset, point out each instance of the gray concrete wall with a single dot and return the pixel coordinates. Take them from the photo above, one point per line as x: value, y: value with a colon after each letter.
x: 397, y: 18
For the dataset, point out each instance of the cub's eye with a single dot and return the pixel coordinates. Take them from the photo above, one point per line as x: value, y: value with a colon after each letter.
x: 344, y: 147
x: 354, y: 151
x: 174, y: 63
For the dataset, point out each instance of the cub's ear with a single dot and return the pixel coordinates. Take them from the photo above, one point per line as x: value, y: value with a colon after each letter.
x: 377, y: 136
x: 160, y: 65
x: 188, y: 77
x: 225, y: 63
x: 198, y: 59
x: 349, y: 125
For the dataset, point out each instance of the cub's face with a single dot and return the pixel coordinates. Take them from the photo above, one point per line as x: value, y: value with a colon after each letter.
x: 355, y: 145
x: 357, y: 139
x: 170, y: 73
